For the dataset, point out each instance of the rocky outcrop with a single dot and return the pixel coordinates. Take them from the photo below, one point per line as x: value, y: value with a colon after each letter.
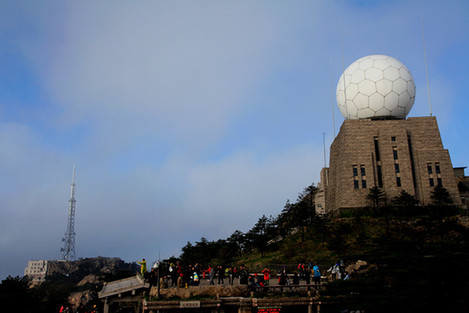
x: 89, y: 279
x: 86, y: 276
x: 80, y: 297
x: 87, y: 266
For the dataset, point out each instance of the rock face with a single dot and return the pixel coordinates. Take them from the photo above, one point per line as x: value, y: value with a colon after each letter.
x: 358, y: 266
x: 87, y: 276
x: 80, y: 297
x: 89, y: 279
x: 87, y: 266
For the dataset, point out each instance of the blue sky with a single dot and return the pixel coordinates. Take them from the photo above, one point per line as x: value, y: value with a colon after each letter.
x: 191, y: 119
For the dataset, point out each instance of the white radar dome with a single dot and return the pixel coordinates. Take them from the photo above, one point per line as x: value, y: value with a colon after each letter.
x: 376, y: 87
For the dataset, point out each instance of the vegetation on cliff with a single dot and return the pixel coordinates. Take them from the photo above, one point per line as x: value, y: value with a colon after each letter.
x: 418, y: 254
x: 66, y: 281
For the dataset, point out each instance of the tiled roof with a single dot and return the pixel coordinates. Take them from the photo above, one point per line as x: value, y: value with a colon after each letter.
x: 122, y: 285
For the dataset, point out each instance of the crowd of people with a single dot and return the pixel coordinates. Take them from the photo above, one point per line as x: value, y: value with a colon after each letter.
x: 338, y: 272
x: 175, y: 275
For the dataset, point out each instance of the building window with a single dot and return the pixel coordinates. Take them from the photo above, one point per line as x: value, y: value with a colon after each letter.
x: 380, y: 177
x: 362, y: 170
x: 377, y: 149
x: 429, y: 168
x: 393, y: 138
x: 394, y: 151
x: 437, y: 168
x: 398, y: 181
x: 355, y: 184
x: 432, y: 183
x: 396, y: 168
x: 355, y: 170
x: 363, y: 183
x: 439, y: 182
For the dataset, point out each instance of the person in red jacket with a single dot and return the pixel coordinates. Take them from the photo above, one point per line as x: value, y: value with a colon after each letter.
x: 266, y: 273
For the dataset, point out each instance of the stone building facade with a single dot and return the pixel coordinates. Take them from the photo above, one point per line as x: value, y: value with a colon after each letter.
x: 463, y: 186
x: 36, y: 270
x: 320, y: 196
x: 394, y: 155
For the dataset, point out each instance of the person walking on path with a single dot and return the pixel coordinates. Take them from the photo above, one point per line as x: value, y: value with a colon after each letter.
x: 308, y: 276
x: 221, y: 275
x: 143, y: 267
x: 211, y: 274
x: 229, y: 274
x: 266, y: 273
x: 335, y: 271
x: 243, y: 275
x: 316, y: 275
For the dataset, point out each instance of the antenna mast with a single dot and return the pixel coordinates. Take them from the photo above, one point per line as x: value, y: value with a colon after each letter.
x: 68, y: 251
x: 324, y: 146
x: 426, y: 67
x: 332, y: 99
x: 343, y: 66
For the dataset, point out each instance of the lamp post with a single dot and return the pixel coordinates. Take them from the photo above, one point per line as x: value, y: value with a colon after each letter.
x: 157, y: 265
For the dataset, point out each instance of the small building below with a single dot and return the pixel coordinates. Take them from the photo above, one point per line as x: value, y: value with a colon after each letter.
x: 36, y: 270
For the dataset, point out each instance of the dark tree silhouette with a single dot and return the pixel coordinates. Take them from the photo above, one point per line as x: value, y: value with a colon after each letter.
x: 238, y: 239
x: 405, y: 202
x: 376, y: 196
x: 258, y: 234
x: 440, y: 196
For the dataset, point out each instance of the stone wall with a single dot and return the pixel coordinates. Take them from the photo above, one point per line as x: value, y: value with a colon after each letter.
x: 201, y: 291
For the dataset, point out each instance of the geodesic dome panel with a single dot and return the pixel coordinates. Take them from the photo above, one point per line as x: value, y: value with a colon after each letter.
x: 375, y: 86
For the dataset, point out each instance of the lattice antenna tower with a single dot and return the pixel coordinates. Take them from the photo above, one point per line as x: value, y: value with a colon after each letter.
x: 68, y: 251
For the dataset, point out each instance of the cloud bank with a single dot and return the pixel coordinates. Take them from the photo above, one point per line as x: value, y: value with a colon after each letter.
x: 188, y: 119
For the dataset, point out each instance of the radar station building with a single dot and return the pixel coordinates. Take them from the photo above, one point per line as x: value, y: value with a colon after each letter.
x: 377, y: 146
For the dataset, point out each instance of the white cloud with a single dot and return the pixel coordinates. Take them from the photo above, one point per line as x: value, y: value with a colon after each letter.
x: 179, y: 69
x: 187, y: 119
x: 33, y: 196
x: 233, y: 193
